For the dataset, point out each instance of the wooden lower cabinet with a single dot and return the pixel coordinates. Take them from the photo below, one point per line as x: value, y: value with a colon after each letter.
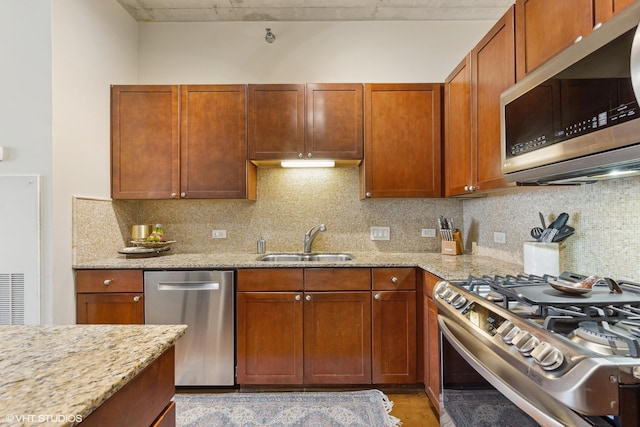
x: 109, y: 297
x: 325, y: 326
x: 394, y: 337
x: 337, y: 338
x: 144, y: 401
x: 431, y: 342
x: 269, y: 338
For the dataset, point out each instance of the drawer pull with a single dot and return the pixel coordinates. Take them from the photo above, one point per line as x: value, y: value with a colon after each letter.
x: 298, y: 298
x: 136, y: 298
x: 377, y: 296
x: 308, y: 297
x: 394, y: 279
x: 107, y: 282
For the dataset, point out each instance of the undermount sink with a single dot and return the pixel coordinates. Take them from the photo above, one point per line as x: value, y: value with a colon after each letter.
x: 298, y: 257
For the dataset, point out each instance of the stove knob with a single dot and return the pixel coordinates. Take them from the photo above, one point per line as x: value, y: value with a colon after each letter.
x: 450, y: 296
x: 445, y: 292
x: 458, y: 301
x: 525, y: 342
x: 508, y: 331
x: 547, y: 356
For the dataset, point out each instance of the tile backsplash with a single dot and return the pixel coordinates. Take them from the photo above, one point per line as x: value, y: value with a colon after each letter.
x: 290, y: 201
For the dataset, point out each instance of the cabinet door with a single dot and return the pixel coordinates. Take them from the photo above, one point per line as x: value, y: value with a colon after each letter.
x: 433, y: 353
x: 213, y: 143
x: 394, y: 337
x: 605, y: 9
x: 270, y: 345
x: 402, y: 148
x: 546, y: 27
x: 459, y: 161
x: 492, y: 72
x: 431, y: 341
x: 145, y: 153
x: 110, y: 308
x: 334, y: 125
x: 337, y: 338
x: 276, y: 121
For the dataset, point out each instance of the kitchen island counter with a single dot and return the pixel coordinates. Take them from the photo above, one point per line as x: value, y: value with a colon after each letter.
x: 59, y: 375
x: 445, y: 266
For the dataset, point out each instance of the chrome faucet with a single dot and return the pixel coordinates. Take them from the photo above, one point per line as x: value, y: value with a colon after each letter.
x: 310, y: 235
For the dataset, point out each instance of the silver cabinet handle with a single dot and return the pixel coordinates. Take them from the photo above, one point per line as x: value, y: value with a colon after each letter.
x: 136, y: 298
x: 394, y: 279
x: 377, y: 296
x: 308, y: 297
x: 107, y: 282
x: 174, y: 196
x: 300, y: 155
x: 579, y: 38
x: 183, y: 195
x: 597, y: 26
x: 309, y: 155
x: 367, y: 194
x: 298, y: 297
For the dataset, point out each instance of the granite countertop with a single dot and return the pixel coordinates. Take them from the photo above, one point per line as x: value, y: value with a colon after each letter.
x: 58, y: 375
x: 445, y: 266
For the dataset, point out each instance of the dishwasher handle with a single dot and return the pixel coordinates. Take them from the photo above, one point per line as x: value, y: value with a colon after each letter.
x: 189, y: 286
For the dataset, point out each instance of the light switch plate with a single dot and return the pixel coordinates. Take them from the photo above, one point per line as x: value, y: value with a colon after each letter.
x: 380, y: 233
x: 219, y: 234
x: 499, y: 237
x: 428, y: 232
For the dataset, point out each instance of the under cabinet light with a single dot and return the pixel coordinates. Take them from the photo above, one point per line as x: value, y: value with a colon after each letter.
x: 307, y: 163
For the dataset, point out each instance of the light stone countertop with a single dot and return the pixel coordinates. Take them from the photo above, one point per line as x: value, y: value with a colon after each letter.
x: 58, y: 375
x: 445, y: 266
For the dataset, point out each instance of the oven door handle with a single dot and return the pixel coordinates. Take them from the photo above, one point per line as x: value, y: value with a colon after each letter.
x: 538, y: 410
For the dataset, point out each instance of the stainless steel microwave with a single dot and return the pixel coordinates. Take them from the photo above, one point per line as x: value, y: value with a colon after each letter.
x: 576, y: 118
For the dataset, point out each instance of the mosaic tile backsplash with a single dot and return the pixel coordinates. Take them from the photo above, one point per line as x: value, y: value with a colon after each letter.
x: 290, y: 201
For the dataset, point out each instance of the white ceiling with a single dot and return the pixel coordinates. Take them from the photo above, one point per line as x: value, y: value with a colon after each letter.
x: 314, y: 10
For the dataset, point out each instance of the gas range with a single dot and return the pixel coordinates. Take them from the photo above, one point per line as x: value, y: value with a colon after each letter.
x: 563, y: 358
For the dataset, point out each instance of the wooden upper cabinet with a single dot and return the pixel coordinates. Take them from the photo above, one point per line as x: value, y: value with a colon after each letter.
x: 180, y: 142
x: 546, y: 27
x: 145, y: 150
x: 334, y: 124
x: 213, y: 143
x: 459, y: 167
x: 605, y: 9
x: 402, y: 134
x: 492, y: 72
x: 296, y: 121
x: 276, y: 121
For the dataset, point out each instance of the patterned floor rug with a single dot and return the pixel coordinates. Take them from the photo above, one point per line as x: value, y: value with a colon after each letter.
x: 318, y: 409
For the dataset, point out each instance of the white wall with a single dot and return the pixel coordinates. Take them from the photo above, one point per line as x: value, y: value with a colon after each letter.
x: 94, y: 45
x: 25, y: 105
x: 304, y: 52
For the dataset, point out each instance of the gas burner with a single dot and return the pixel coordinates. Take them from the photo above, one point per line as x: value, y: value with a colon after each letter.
x: 606, y: 339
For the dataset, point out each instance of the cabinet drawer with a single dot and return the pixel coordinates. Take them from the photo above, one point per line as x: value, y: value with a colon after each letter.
x: 337, y: 279
x: 270, y: 279
x: 392, y: 279
x: 109, y: 281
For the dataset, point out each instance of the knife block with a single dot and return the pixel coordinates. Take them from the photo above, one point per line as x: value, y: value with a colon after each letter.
x: 453, y: 247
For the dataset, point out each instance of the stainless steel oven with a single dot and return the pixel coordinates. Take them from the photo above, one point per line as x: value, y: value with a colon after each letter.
x: 516, y: 348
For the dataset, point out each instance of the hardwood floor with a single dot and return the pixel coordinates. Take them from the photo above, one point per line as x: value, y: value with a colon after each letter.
x: 413, y: 408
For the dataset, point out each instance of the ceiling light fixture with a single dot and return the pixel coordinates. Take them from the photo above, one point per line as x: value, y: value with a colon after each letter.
x: 307, y: 163
x: 270, y: 37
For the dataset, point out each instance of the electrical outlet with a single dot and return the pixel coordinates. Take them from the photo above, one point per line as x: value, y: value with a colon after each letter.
x: 499, y: 237
x: 380, y: 233
x: 428, y: 232
x: 219, y: 234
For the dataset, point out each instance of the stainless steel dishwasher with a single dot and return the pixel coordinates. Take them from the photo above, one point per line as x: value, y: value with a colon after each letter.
x: 204, y: 301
